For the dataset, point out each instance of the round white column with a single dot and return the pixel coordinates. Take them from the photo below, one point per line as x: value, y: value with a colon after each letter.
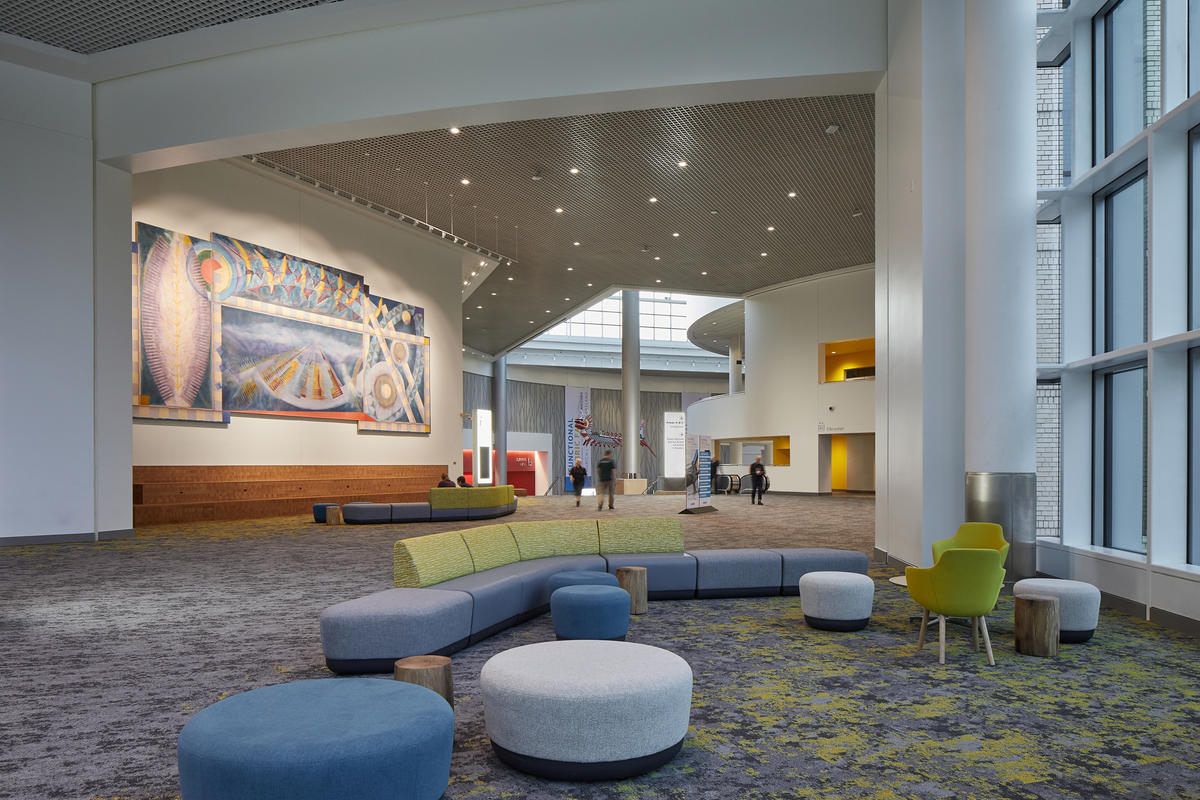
x: 737, y: 381
x: 631, y: 381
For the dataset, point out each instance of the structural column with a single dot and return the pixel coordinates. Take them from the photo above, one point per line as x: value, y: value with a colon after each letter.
x: 500, y: 418
x: 737, y: 382
x: 1001, y: 196
x: 631, y: 383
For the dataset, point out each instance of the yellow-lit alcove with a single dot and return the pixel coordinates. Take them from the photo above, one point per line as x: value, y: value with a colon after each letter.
x: 849, y: 359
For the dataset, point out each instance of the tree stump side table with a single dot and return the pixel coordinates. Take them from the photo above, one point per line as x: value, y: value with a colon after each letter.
x: 1035, y: 626
x: 633, y: 580
x: 333, y: 515
x: 432, y: 672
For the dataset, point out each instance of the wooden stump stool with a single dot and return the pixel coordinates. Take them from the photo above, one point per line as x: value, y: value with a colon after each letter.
x: 633, y: 580
x: 432, y: 672
x: 1035, y: 626
x: 333, y: 515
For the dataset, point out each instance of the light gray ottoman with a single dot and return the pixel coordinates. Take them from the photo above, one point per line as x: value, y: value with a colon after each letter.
x: 1078, y: 605
x: 586, y: 710
x: 369, y: 634
x: 743, y: 572
x: 799, y: 561
x: 836, y: 601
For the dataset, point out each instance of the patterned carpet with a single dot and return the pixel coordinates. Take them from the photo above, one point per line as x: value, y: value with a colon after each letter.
x: 110, y: 648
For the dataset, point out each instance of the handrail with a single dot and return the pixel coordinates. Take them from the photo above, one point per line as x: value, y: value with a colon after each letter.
x: 652, y: 486
x: 549, y: 491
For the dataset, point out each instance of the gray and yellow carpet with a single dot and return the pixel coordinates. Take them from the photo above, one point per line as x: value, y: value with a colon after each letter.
x: 109, y: 649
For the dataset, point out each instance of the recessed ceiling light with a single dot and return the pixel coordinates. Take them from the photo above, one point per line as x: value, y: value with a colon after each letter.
x: 681, y: 164
x: 713, y: 212
x: 483, y: 263
x: 473, y: 273
x: 558, y: 211
x: 493, y: 294
x: 547, y: 311
x: 676, y: 235
x: 764, y: 255
x: 366, y: 155
x: 703, y: 273
x: 465, y: 283
x: 510, y: 277
x: 570, y: 269
x: 833, y: 352
x: 714, y: 323
x: 455, y: 130
x: 653, y: 199
x: 658, y: 280
x: 465, y: 349
x: 857, y: 214
x: 658, y: 258
x: 770, y: 227
x: 833, y: 129
x: 530, y: 322
x: 567, y: 299
x: 574, y: 170
x: 576, y: 244
x: 468, y: 317
x: 465, y: 181
x: 791, y: 194
x: 589, y: 284
x: 479, y: 307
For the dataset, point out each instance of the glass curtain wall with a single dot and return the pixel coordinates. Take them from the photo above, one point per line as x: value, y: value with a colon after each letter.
x: 1193, y: 542
x: 1119, y: 472
x: 1119, y: 277
x: 1127, y: 53
x: 1193, y: 232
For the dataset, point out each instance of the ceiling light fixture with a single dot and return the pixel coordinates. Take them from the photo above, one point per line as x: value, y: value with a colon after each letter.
x: 681, y: 164
x: 832, y: 129
x: 558, y: 211
x: 567, y: 299
x: 658, y: 280
x: 658, y: 258
x: 770, y: 227
x: 589, y: 284
x: 653, y: 199
x: 473, y: 273
x: 483, y: 263
x: 574, y: 170
x: 570, y: 269
x: 857, y: 213
x: 764, y: 255
x: 703, y: 273
x: 468, y: 317
x: 465, y: 181
x: 547, y: 311
x: 575, y: 244
x: 455, y: 131
x: 510, y: 277
x: 479, y: 307
x: 713, y: 212
x: 493, y: 294
x: 676, y: 235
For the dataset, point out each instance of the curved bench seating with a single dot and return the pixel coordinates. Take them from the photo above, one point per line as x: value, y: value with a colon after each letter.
x: 481, y: 502
x: 486, y: 579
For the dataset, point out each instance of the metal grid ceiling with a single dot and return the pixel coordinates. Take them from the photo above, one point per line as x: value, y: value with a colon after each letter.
x: 743, y: 160
x: 90, y: 26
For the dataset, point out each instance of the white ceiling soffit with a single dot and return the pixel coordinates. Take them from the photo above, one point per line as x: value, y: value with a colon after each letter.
x: 713, y: 331
x: 803, y: 166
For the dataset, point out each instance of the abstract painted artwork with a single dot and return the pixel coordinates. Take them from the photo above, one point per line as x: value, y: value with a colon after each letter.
x: 223, y: 326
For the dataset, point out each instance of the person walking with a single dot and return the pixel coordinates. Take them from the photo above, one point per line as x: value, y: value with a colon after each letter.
x: 578, y: 476
x: 758, y: 480
x: 604, y: 472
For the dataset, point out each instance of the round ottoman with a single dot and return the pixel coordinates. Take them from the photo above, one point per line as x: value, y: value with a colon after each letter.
x: 580, y: 577
x: 1078, y: 605
x: 590, y: 612
x: 319, y: 740
x: 836, y: 601
x: 586, y: 710
x: 319, y: 510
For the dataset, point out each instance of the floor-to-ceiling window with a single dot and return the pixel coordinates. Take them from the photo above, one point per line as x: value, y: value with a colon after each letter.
x: 1119, y: 473
x: 1193, y: 532
x: 1193, y: 46
x: 1127, y: 57
x: 1193, y: 232
x: 1119, y: 276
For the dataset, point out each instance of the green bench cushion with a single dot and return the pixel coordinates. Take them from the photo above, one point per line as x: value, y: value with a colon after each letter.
x: 491, y: 546
x: 651, y: 535
x: 426, y: 560
x: 576, y: 537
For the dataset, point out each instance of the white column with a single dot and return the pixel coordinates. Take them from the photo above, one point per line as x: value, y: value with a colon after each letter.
x: 631, y: 388
x: 737, y: 382
x: 1001, y: 198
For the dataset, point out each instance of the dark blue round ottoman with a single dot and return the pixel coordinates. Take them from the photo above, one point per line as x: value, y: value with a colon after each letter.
x: 590, y: 612
x: 319, y: 510
x: 320, y: 740
x: 580, y: 577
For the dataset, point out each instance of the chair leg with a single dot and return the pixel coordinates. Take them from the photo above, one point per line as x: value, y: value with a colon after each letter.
x: 975, y: 634
x: 921, y: 635
x: 987, y: 642
x: 942, y: 639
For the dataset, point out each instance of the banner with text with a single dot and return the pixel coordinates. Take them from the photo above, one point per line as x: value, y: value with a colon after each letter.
x: 577, y: 405
x: 674, y: 447
x: 698, y: 489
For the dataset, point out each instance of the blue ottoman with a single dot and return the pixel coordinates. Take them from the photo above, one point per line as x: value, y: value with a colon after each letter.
x: 320, y: 740
x: 579, y: 577
x: 590, y: 612
x: 319, y: 510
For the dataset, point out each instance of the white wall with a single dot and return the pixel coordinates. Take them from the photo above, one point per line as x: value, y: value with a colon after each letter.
x: 596, y: 378
x: 784, y: 328
x: 397, y: 263
x: 47, y: 406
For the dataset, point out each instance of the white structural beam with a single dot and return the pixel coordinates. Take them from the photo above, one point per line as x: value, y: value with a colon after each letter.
x: 520, y: 63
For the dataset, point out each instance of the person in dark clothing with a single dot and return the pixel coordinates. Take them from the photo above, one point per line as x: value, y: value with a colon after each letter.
x: 758, y: 480
x: 713, y: 467
x: 462, y: 481
x: 445, y: 482
x: 605, y: 470
x: 578, y: 476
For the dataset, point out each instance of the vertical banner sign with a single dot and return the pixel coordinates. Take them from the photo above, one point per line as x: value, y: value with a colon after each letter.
x: 481, y: 431
x: 691, y: 488
x: 576, y: 405
x: 704, y: 483
x: 674, y: 447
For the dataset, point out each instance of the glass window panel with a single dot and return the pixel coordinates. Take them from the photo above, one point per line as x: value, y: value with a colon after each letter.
x: 1194, y: 225
x: 1126, y: 72
x: 646, y: 333
x: 1119, y: 493
x: 1194, y: 456
x: 678, y: 335
x: 662, y: 335
x: 1119, y: 278
x: 594, y: 330
x: 1193, y: 46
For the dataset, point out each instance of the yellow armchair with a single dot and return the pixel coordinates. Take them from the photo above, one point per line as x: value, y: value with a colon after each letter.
x: 974, y: 534
x: 964, y: 582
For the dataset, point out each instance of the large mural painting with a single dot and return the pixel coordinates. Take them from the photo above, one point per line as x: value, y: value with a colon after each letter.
x: 223, y: 326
